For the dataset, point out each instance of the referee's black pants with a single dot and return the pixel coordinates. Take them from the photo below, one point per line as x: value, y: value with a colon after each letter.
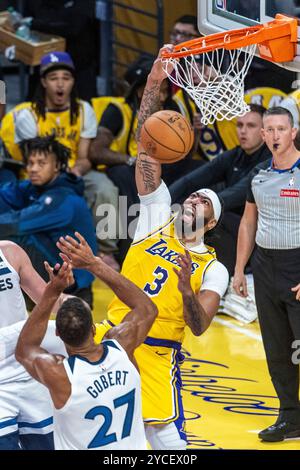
x: 275, y: 272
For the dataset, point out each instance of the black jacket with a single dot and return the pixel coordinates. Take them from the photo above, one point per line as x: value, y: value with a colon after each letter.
x: 231, y: 168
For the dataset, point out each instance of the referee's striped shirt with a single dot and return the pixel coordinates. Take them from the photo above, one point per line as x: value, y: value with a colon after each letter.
x: 276, y: 194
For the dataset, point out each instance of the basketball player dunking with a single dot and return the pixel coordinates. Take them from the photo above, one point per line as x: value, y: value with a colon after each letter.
x: 162, y: 243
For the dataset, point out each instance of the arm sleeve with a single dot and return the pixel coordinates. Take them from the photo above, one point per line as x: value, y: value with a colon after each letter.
x: 112, y: 119
x: 25, y: 125
x: 155, y: 211
x: 12, y: 196
x: 216, y: 278
x: 89, y: 127
x: 43, y: 215
x: 203, y: 177
x: 250, y: 195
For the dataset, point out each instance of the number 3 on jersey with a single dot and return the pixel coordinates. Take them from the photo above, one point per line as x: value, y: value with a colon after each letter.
x: 161, y: 276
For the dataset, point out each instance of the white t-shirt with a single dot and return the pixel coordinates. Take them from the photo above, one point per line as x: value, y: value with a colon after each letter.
x: 26, y: 125
x: 155, y: 210
x: 10, y: 369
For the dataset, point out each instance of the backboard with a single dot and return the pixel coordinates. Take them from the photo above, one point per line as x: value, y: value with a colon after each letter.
x: 222, y: 15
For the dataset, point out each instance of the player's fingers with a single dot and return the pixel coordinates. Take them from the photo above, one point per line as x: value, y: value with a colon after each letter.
x: 80, y: 238
x: 65, y: 258
x: 176, y: 272
x: 64, y: 268
x: 184, y: 262
x: 181, y: 263
x: 72, y: 241
x: 64, y: 245
x: 48, y: 268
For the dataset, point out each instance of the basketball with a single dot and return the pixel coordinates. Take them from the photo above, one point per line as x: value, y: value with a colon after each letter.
x: 167, y: 136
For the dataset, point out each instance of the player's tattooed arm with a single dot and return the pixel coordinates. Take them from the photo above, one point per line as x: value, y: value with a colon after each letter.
x: 151, y: 100
x: 198, y: 309
x: 149, y: 173
x: 194, y: 315
x: 150, y: 103
x: 148, y: 170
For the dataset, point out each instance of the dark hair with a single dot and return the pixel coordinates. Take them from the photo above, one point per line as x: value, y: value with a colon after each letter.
x: 279, y: 110
x: 188, y: 19
x: 213, y: 232
x: 74, y: 322
x: 136, y: 75
x: 46, y: 145
x: 39, y: 103
x: 257, y: 108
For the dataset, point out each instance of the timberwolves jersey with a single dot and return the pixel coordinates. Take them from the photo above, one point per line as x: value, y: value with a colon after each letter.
x: 104, y: 409
x: 149, y: 264
x: 13, y: 308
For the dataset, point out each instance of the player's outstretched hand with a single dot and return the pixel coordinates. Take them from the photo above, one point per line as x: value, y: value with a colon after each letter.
x: 157, y: 71
x: 184, y: 274
x: 79, y: 253
x: 61, y: 277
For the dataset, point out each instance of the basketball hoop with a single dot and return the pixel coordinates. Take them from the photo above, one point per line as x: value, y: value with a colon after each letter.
x: 212, y: 69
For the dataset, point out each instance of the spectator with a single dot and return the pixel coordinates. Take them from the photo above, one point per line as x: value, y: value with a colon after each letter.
x: 57, y: 110
x: 230, y: 171
x: 184, y: 29
x: 35, y: 212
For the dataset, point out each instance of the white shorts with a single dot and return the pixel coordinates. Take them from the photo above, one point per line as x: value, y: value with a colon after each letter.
x: 25, y: 407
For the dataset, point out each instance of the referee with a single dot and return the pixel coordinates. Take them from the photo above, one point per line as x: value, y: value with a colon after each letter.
x: 272, y: 220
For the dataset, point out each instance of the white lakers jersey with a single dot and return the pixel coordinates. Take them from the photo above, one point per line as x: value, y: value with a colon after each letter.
x: 104, y: 410
x: 13, y: 308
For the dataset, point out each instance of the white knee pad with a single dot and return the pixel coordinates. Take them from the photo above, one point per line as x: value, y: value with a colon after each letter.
x: 164, y: 437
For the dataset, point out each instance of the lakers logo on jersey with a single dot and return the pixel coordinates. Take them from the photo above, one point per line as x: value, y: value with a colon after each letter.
x: 160, y: 248
x: 150, y: 265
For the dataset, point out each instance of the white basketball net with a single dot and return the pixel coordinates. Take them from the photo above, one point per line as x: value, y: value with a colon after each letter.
x: 214, y: 80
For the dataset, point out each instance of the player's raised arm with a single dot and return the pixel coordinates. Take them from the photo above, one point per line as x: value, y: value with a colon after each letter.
x: 37, y: 361
x: 137, y: 323
x: 148, y: 170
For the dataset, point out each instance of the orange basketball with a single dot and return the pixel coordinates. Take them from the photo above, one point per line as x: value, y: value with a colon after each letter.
x: 167, y: 136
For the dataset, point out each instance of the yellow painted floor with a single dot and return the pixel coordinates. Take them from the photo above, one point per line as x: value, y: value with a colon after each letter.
x: 228, y: 396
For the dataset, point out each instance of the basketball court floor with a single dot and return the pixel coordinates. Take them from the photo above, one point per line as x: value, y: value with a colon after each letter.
x: 227, y: 392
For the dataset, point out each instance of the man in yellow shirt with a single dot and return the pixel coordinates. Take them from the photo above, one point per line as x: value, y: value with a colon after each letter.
x: 56, y: 110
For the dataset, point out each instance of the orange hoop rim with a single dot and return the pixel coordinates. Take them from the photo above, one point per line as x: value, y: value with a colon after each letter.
x: 282, y: 28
